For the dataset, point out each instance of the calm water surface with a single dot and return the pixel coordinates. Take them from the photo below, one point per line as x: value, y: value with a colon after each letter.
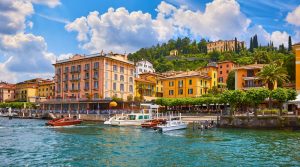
x: 30, y: 143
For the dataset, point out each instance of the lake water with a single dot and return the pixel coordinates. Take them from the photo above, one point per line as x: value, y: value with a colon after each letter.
x: 30, y: 143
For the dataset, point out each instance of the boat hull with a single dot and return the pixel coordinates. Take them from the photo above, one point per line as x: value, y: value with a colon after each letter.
x: 170, y: 128
x: 62, y: 122
x: 126, y: 123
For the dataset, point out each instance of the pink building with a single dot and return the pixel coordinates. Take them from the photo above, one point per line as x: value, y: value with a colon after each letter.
x: 97, y: 76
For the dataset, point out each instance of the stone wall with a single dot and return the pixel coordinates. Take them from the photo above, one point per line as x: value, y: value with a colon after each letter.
x: 86, y: 117
x: 260, y: 122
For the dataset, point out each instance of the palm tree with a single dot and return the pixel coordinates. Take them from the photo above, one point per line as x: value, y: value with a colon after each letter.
x: 272, y: 74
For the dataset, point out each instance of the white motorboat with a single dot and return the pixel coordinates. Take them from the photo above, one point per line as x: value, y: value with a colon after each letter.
x: 134, y: 119
x: 172, y: 124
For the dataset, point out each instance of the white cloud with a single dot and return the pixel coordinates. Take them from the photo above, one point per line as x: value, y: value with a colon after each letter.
x: 280, y: 38
x: 294, y: 17
x: 49, y: 3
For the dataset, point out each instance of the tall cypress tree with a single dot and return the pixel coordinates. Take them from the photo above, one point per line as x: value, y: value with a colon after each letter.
x: 255, y: 42
x: 290, y: 44
x: 251, y: 45
x: 235, y: 45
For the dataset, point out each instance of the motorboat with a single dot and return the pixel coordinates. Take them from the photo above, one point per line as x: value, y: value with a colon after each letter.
x: 133, y: 119
x: 172, y: 124
x: 67, y: 121
x: 153, y: 123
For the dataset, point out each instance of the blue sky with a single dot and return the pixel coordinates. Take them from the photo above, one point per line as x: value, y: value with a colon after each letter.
x: 36, y: 32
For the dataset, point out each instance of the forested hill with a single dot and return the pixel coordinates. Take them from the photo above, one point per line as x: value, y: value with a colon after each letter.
x: 192, y: 55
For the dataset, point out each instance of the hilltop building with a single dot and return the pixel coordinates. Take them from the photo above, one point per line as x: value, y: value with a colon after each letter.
x: 7, y: 92
x: 97, y: 76
x: 224, y: 45
x: 143, y: 66
x: 224, y: 68
x: 174, y: 52
x: 245, y: 77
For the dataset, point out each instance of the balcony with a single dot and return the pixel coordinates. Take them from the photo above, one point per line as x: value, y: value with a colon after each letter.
x: 65, y: 80
x: 96, y: 68
x: 249, y: 86
x: 74, y: 90
x: 65, y: 90
x: 95, y: 88
x: 247, y: 78
x: 95, y: 78
x: 87, y: 69
x: 85, y: 78
x: 74, y: 79
x: 66, y: 71
x: 86, y: 88
x: 75, y: 71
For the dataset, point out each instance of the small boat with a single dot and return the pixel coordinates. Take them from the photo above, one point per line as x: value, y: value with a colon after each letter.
x: 64, y: 122
x: 134, y: 119
x: 172, y: 124
x: 153, y: 123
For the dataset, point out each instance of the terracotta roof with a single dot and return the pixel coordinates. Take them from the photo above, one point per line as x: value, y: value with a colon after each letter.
x: 188, y: 74
x: 144, y: 80
x: 296, y: 43
x: 7, y: 86
x: 226, y: 61
x: 151, y: 73
x: 250, y: 66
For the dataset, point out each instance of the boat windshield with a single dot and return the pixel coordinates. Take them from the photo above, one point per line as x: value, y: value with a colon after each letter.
x: 131, y: 117
x: 145, y: 117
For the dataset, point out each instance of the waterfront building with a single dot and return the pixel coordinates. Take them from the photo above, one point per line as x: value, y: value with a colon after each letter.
x: 96, y: 76
x: 143, y: 66
x: 212, y: 71
x: 46, y: 90
x: 7, y: 92
x: 186, y: 84
x: 27, y: 91
x: 224, y: 68
x: 148, y: 86
x: 224, y: 45
x: 245, y: 77
x: 296, y: 48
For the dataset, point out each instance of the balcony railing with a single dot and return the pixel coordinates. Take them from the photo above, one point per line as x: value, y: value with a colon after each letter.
x: 87, y: 68
x: 74, y: 79
x: 75, y: 71
x: 96, y: 68
x: 85, y: 78
x: 253, y: 85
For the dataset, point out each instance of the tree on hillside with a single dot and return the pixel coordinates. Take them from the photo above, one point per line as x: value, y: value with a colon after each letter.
x: 290, y: 44
x: 231, y: 81
x: 251, y: 45
x: 235, y: 45
x: 255, y: 42
x: 202, y: 46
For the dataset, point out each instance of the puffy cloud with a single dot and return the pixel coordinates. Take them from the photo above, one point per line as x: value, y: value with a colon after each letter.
x: 117, y: 30
x: 280, y: 38
x: 13, y: 15
x: 294, y: 17
x: 28, y: 53
x: 49, y: 3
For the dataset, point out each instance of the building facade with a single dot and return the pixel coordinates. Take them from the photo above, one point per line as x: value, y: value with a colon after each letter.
x: 7, y: 92
x: 223, y: 45
x: 27, y: 91
x: 211, y: 70
x: 98, y: 76
x: 46, y: 90
x: 186, y: 84
x: 296, y: 48
x: 143, y: 66
x: 224, y: 68
x: 245, y: 77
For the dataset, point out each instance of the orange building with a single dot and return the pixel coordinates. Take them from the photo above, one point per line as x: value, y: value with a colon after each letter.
x: 245, y: 77
x: 97, y: 76
x: 296, y: 48
x: 224, y: 68
x: 7, y: 92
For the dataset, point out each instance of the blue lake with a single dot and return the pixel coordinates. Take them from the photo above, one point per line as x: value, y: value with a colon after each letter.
x: 30, y: 143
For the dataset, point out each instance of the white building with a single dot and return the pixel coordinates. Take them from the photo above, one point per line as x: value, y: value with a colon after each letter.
x: 143, y: 67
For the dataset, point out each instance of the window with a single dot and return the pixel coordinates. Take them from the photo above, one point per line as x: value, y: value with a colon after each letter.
x: 214, y: 83
x: 121, y: 77
x: 115, y: 68
x: 96, y: 95
x: 122, y: 87
x: 180, y: 83
x: 227, y: 65
x: 106, y: 66
x: 86, y: 66
x: 205, y: 83
x: 201, y: 82
x: 114, y: 86
x: 131, y: 71
x: 122, y: 70
x: 73, y: 86
x: 130, y: 88
x: 79, y: 68
x: 190, y: 91
x: 171, y: 83
x: 96, y: 84
x: 87, y: 75
x: 214, y: 75
x: 190, y: 82
x: 221, y: 79
x: 66, y: 69
x: 220, y: 66
x: 106, y: 75
x: 200, y: 91
x: 106, y: 85
x: 78, y: 85
x: 180, y: 91
x: 171, y: 92
x: 116, y: 77
x: 96, y: 75
x: 96, y: 65
x: 227, y: 71
x: 86, y: 85
x: 130, y: 80
x: 72, y: 68
x: 220, y: 72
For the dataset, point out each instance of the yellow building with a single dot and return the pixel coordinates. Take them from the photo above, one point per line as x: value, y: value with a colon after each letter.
x: 245, y: 77
x: 149, y: 86
x: 186, y: 84
x: 212, y: 71
x: 46, y: 90
x: 222, y: 46
x: 28, y: 90
x: 296, y: 48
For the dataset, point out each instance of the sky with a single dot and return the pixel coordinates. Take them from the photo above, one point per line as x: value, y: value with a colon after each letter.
x: 36, y: 33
